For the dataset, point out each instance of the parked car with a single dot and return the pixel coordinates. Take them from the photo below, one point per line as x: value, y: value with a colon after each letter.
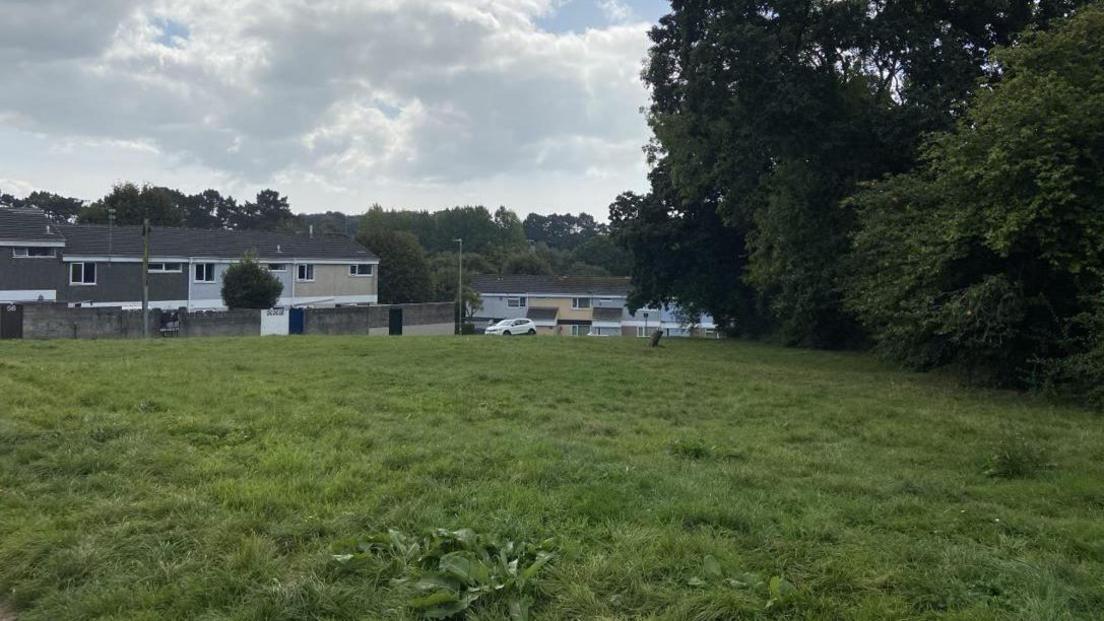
x: 511, y: 327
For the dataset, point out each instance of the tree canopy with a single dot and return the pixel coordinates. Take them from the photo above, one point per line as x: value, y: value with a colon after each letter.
x: 766, y: 116
x: 987, y: 253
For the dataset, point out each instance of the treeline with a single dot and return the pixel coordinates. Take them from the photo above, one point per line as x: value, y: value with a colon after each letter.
x: 419, y: 250
x: 130, y: 204
x: 847, y: 174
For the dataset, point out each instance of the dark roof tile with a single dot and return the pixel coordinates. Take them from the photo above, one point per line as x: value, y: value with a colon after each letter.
x: 27, y: 225
x: 96, y: 240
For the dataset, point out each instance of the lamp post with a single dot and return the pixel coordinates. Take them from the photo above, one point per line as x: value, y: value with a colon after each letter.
x: 460, y: 287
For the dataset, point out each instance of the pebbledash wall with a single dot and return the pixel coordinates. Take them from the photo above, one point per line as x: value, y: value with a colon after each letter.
x: 58, y: 321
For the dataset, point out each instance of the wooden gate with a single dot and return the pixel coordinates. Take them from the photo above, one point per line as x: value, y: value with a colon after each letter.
x: 11, y: 321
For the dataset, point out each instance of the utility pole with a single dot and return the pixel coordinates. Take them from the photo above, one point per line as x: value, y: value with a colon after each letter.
x: 460, y: 287
x: 145, y: 277
x: 110, y: 231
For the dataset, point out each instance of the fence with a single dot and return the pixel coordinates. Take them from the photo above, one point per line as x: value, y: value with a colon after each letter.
x: 53, y: 321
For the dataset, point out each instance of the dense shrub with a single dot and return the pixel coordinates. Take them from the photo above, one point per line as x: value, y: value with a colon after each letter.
x: 248, y: 285
x: 988, y: 255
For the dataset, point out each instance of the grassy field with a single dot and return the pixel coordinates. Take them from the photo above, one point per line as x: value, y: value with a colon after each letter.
x: 230, y: 479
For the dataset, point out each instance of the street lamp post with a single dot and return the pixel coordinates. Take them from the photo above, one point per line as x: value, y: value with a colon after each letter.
x: 460, y: 287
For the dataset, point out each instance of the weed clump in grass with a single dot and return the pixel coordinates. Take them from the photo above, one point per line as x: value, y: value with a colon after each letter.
x: 1017, y: 457
x: 690, y: 449
x: 449, y: 572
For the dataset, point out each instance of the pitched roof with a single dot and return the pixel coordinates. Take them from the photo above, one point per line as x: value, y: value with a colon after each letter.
x: 537, y: 313
x: 523, y: 283
x: 94, y: 240
x: 27, y: 225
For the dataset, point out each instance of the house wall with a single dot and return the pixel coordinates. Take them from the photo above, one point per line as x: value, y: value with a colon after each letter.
x: 122, y: 283
x: 203, y: 294
x: 334, y: 280
x: 28, y: 276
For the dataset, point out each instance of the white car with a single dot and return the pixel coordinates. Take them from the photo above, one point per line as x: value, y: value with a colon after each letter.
x: 511, y: 327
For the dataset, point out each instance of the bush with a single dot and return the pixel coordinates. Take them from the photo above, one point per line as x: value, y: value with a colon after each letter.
x: 248, y: 285
x: 985, y: 256
x: 1081, y: 373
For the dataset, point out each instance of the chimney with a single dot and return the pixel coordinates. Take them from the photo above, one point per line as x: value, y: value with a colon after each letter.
x: 278, y: 251
x: 311, y: 229
x: 48, y: 231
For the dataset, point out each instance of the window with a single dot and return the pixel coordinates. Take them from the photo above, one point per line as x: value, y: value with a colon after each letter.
x: 520, y: 322
x: 165, y: 268
x: 277, y: 267
x: 515, y: 302
x: 641, y: 332
x: 361, y: 269
x: 33, y: 253
x: 580, y: 303
x: 305, y: 273
x: 577, y: 330
x: 205, y: 272
x: 82, y: 274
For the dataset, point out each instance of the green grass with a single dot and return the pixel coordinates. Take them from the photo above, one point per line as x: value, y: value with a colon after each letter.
x: 216, y: 479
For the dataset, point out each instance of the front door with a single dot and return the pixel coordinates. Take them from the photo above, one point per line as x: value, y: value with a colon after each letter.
x: 11, y: 321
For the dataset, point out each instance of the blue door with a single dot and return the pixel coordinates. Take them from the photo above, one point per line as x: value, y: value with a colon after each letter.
x: 297, y: 321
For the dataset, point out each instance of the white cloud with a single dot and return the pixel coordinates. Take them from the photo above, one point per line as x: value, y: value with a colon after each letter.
x: 616, y: 10
x: 338, y: 98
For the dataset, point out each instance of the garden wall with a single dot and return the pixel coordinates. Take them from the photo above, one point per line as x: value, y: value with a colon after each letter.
x: 53, y: 321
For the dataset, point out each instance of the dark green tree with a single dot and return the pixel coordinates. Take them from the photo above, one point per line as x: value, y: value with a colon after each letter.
x: 57, y: 207
x: 248, y: 285
x: 132, y: 204
x: 269, y: 212
x: 986, y: 255
x: 769, y: 113
x: 404, y: 270
x: 526, y: 263
x: 208, y: 210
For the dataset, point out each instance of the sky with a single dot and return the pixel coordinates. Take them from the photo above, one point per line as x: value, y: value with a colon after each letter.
x: 339, y: 104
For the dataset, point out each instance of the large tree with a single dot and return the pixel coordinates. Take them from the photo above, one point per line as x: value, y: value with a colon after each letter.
x: 269, y: 212
x: 404, y: 270
x: 58, y: 208
x: 989, y: 255
x: 767, y: 114
x: 132, y: 204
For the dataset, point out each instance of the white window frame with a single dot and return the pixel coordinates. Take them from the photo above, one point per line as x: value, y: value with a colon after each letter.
x: 575, y: 303
x: 164, y: 267
x: 354, y: 270
x: 301, y: 268
x: 516, y: 302
x: 24, y: 252
x: 272, y: 267
x: 641, y: 332
x: 83, y: 269
x: 208, y: 273
x: 577, y: 330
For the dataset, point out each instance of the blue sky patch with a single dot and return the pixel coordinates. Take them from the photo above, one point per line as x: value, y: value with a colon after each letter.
x: 578, y: 15
x: 173, y: 33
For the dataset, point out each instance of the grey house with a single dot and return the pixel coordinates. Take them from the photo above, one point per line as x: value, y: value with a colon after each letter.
x: 93, y: 265
x: 578, y: 306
